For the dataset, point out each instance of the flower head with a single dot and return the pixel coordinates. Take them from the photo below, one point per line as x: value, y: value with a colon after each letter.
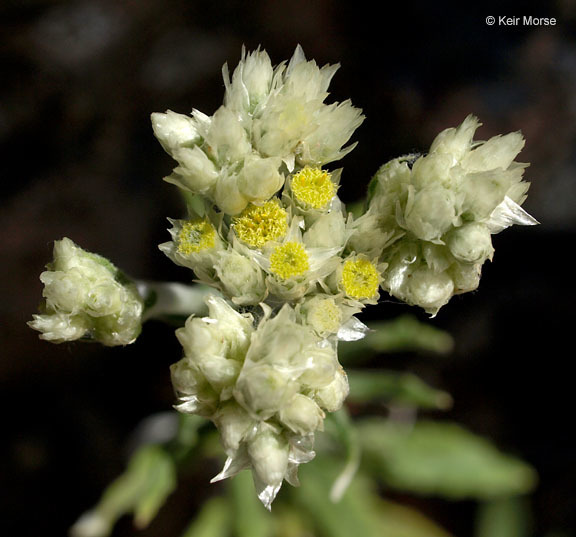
x: 313, y: 188
x: 259, y: 224
x: 288, y: 260
x: 360, y: 278
x: 85, y: 296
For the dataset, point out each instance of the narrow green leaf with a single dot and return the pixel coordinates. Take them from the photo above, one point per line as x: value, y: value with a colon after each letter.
x: 142, y: 489
x: 350, y: 516
x: 399, y: 388
x: 360, y: 512
x: 213, y: 520
x: 348, y: 436
x: 440, y: 458
x: 405, y: 333
x: 160, y: 481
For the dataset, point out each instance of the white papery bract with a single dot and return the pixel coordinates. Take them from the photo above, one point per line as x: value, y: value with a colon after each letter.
x: 85, y: 296
x: 430, y: 217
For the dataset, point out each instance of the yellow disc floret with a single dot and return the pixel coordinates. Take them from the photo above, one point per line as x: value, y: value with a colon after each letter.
x: 258, y: 224
x: 195, y: 236
x: 313, y: 188
x: 360, y: 278
x: 288, y: 260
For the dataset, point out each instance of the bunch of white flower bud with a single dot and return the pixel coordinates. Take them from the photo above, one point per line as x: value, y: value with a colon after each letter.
x: 430, y: 218
x: 85, y: 296
x: 265, y: 384
x: 290, y: 268
x: 268, y: 231
x: 270, y: 234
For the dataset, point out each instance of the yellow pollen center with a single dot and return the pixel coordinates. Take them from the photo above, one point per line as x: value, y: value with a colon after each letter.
x: 289, y: 260
x: 360, y: 278
x: 195, y: 236
x: 313, y: 188
x: 258, y: 224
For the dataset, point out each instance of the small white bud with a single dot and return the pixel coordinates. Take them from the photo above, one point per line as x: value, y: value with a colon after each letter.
x: 242, y: 279
x: 332, y: 396
x: 471, y: 243
x: 264, y: 389
x: 432, y: 213
x: 174, y: 130
x: 302, y: 415
x: 268, y: 453
x: 259, y: 179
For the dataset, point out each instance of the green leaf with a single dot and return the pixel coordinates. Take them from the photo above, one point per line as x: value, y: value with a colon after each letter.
x: 400, y: 388
x: 344, y: 430
x: 351, y: 516
x: 506, y: 517
x: 187, y: 436
x: 251, y: 519
x: 360, y: 512
x: 142, y: 489
x: 444, y: 459
x: 158, y: 483
x: 213, y: 520
x: 405, y: 333
x: 397, y: 520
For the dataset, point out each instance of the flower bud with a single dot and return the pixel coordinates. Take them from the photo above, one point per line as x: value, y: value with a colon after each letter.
x: 174, y: 130
x: 86, y: 296
x: 234, y: 425
x: 471, y: 243
x: 196, y: 172
x: 227, y: 195
x: 431, y: 214
x: 264, y: 389
x: 332, y: 396
x: 428, y: 289
x: 302, y: 415
x: 241, y: 278
x: 268, y: 453
x: 259, y: 179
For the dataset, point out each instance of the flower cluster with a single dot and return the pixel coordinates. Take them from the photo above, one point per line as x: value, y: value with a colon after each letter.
x: 272, y: 120
x: 268, y: 231
x: 430, y: 217
x: 271, y: 235
x: 265, y: 384
x: 85, y: 296
x: 289, y: 267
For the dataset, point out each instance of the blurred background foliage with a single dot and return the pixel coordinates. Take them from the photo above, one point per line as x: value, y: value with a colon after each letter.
x: 78, y: 159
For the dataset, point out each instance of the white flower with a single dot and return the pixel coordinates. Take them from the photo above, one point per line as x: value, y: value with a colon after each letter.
x: 85, y: 296
x: 240, y: 278
x: 265, y: 388
x: 294, y: 122
x: 435, y: 213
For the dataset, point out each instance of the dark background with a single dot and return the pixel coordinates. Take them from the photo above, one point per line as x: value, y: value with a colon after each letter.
x: 78, y: 81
